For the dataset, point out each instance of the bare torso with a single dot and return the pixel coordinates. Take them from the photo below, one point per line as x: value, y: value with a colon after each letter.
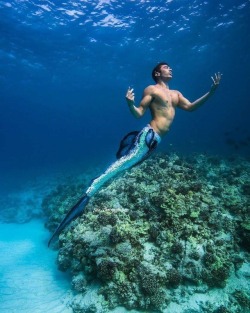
x: 162, y: 107
x: 162, y: 101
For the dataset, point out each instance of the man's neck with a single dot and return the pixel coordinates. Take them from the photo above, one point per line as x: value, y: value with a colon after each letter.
x: 162, y: 84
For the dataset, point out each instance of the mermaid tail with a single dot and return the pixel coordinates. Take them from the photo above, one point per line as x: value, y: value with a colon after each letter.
x: 73, y: 213
x: 134, y: 148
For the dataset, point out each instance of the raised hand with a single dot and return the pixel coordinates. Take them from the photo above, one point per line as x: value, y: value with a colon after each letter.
x: 130, y: 96
x: 216, y: 81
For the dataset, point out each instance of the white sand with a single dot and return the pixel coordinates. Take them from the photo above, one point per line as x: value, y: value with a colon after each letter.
x: 29, y: 279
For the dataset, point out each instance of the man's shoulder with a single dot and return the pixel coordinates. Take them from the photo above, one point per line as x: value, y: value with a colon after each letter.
x: 174, y: 91
x: 150, y: 88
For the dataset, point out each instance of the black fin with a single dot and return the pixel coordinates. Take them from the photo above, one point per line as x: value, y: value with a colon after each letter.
x: 149, y: 138
x: 127, y: 144
x: 73, y: 213
x: 151, y: 142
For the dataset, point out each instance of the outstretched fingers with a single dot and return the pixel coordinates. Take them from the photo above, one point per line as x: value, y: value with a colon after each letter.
x: 216, y: 78
x: 130, y: 94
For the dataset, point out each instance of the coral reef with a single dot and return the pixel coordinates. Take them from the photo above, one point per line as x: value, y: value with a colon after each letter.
x: 169, y: 226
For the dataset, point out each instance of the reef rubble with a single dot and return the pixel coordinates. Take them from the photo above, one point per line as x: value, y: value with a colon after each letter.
x: 163, y: 233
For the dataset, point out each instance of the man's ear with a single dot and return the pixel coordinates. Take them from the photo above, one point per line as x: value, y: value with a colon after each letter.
x: 157, y: 74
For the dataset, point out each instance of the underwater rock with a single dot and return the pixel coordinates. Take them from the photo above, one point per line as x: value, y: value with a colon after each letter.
x: 79, y: 283
x: 243, y: 298
x: 166, y: 226
x: 244, y: 234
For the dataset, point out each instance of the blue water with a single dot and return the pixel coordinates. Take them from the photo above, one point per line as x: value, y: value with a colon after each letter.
x: 65, y: 68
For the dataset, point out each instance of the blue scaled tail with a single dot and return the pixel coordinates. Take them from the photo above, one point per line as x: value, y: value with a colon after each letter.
x: 73, y: 213
x: 134, y: 148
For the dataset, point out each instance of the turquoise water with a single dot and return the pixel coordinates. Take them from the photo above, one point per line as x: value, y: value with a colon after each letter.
x: 64, y: 71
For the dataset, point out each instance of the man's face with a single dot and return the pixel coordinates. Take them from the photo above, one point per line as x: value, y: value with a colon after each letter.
x: 165, y: 72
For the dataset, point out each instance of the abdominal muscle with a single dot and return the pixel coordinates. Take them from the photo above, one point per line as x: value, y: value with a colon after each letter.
x: 161, y: 125
x: 162, y: 122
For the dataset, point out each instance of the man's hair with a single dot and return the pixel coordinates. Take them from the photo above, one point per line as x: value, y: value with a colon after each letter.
x: 157, y: 68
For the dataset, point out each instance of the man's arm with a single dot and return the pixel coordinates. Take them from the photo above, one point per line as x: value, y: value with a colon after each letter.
x: 144, y: 104
x: 185, y: 104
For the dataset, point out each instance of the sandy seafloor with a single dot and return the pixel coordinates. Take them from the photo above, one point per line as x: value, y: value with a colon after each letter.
x: 31, y: 283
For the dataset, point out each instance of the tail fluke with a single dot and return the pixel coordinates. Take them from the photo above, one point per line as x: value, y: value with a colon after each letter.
x: 73, y: 213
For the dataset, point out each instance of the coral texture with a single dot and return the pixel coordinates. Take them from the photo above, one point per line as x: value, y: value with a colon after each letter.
x: 169, y: 225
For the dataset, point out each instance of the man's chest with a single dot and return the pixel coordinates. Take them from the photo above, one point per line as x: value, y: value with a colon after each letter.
x: 166, y: 98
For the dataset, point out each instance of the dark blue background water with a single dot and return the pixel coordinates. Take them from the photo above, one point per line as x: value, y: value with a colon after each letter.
x: 65, y: 68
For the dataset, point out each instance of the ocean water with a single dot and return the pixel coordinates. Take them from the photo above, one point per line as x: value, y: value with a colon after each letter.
x: 65, y: 68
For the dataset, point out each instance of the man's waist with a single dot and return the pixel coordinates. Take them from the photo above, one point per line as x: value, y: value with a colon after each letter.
x: 161, y: 130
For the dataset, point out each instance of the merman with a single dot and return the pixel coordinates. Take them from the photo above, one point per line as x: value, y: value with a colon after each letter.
x: 138, y: 145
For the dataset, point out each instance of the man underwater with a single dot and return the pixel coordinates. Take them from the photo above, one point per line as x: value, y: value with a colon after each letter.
x: 137, y: 146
